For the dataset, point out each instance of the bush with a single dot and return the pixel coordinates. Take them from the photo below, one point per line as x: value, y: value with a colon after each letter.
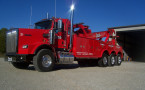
x: 3, y: 40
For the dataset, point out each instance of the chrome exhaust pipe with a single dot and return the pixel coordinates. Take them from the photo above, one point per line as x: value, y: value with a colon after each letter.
x: 71, y: 31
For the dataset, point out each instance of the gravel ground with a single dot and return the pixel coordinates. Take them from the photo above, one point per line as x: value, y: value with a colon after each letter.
x: 128, y: 76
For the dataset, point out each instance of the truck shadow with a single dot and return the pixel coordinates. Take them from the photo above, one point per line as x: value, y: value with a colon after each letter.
x: 58, y: 67
x: 63, y: 66
x: 66, y: 66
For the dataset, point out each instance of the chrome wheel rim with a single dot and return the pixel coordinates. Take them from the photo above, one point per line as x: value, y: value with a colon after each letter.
x: 46, y: 61
x: 119, y: 60
x: 105, y: 60
x: 113, y: 60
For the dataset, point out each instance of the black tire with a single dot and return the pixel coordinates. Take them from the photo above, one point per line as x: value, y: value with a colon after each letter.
x: 119, y: 60
x: 44, y: 61
x: 115, y: 60
x: 20, y: 65
x: 112, y: 60
x: 103, y: 62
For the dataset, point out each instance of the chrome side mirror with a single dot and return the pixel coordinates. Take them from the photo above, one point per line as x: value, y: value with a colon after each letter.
x: 52, y: 37
x: 60, y: 24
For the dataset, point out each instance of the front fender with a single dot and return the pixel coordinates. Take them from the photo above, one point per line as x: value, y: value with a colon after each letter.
x: 34, y: 47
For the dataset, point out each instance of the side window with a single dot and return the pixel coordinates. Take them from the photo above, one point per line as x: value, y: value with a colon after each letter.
x: 56, y: 27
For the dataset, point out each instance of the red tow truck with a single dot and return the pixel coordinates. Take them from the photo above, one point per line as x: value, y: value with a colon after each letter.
x: 53, y: 42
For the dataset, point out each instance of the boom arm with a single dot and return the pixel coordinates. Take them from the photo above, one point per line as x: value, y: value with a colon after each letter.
x: 102, y: 34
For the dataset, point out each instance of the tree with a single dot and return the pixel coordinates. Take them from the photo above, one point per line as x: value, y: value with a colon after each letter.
x: 3, y: 40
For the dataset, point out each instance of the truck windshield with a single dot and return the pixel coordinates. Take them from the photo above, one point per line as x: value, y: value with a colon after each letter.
x: 43, y: 24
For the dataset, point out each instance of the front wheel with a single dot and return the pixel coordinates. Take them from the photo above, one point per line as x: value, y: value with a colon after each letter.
x: 44, y: 60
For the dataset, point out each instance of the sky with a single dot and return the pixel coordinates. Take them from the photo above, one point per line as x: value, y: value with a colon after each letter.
x: 98, y: 14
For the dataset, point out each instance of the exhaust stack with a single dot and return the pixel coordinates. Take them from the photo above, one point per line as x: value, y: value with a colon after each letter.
x: 71, y: 19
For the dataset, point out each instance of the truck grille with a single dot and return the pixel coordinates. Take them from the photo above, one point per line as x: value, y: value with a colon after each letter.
x: 11, y: 41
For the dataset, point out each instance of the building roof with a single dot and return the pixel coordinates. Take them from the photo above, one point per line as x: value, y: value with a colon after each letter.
x: 129, y: 28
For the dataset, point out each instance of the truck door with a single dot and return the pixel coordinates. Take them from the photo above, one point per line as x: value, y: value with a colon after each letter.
x: 61, y: 35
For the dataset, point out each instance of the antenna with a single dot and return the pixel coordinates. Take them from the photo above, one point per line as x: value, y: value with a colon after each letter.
x: 55, y: 8
x: 55, y: 13
x: 30, y: 17
x: 47, y: 15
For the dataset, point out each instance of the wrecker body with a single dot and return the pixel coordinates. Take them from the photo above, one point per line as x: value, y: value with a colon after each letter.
x: 51, y: 43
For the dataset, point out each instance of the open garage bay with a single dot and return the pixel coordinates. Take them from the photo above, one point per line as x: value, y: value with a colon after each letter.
x: 132, y: 39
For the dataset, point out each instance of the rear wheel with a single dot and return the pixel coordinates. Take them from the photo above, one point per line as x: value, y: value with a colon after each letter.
x: 20, y: 65
x: 112, y: 60
x: 119, y: 59
x: 103, y: 62
x: 44, y: 60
